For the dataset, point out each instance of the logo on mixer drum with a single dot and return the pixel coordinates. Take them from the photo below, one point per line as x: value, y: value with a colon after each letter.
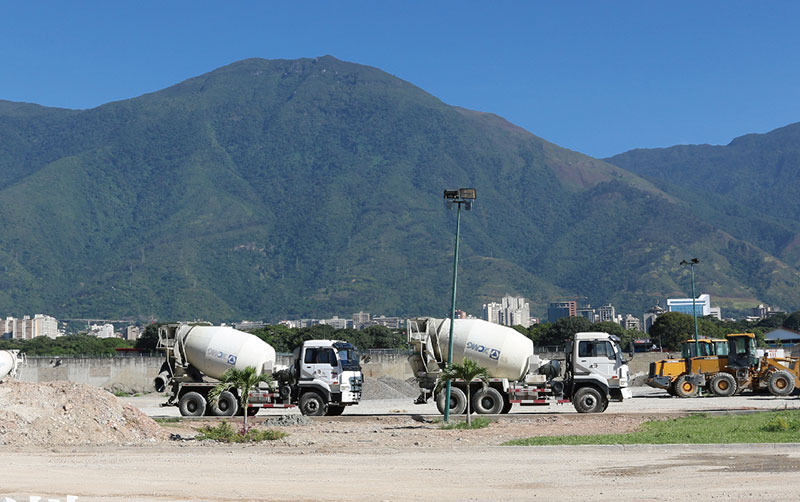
x: 231, y: 359
x: 494, y: 354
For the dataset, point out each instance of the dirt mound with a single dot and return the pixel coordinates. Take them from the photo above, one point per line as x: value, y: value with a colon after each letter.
x: 58, y: 413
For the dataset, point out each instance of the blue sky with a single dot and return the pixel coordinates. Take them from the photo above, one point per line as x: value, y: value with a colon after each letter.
x: 597, y: 77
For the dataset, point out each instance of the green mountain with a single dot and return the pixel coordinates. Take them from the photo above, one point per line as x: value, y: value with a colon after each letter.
x: 270, y: 189
x: 748, y: 189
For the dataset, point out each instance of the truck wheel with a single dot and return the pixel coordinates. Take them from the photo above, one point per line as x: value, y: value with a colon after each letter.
x: 722, y: 385
x: 589, y: 400
x: 781, y: 383
x: 506, y: 406
x: 312, y: 404
x: 458, y: 401
x: 487, y: 401
x: 227, y: 406
x: 685, y: 387
x: 334, y: 410
x: 192, y: 404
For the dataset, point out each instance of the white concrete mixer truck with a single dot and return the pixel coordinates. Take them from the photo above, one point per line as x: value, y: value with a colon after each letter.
x: 324, y: 376
x: 595, y: 371
x: 10, y: 361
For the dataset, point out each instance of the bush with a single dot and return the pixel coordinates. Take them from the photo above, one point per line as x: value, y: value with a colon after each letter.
x: 224, y: 433
x: 477, y: 423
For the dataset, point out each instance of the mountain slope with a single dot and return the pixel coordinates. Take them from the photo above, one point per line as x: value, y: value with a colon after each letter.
x: 270, y: 189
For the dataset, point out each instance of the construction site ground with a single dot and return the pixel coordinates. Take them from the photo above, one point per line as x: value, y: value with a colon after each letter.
x: 390, y: 449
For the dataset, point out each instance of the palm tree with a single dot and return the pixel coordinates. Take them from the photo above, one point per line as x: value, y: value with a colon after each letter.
x: 468, y: 371
x: 244, y: 380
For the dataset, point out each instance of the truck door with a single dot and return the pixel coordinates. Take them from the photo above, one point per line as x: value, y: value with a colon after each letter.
x: 318, y: 363
x: 596, y: 356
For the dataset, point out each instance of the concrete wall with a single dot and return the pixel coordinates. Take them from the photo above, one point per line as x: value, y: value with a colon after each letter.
x: 135, y: 374
x: 131, y: 374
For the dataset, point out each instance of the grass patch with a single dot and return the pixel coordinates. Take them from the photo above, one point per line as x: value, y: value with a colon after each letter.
x: 477, y: 423
x: 763, y: 427
x: 225, y: 433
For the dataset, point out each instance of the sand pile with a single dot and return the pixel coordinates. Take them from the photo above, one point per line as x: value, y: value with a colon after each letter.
x: 59, y: 413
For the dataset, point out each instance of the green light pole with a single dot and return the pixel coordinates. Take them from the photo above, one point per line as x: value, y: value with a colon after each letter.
x: 461, y: 197
x: 692, y: 263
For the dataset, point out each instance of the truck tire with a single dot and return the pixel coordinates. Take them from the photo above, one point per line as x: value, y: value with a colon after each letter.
x: 192, y: 404
x: 227, y: 405
x: 723, y: 385
x: 334, y: 410
x: 589, y: 400
x: 458, y: 401
x: 251, y: 412
x: 781, y: 383
x: 506, y: 406
x: 312, y: 404
x: 685, y: 387
x: 488, y: 401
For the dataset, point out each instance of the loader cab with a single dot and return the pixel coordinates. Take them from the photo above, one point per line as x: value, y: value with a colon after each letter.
x: 742, y: 350
x: 707, y: 346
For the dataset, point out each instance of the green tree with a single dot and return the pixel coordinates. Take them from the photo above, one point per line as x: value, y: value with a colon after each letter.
x: 563, y: 329
x: 793, y: 321
x: 149, y: 338
x: 672, y: 328
x: 243, y: 380
x: 468, y: 371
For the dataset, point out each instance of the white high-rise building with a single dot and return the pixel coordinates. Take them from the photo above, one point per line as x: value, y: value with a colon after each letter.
x: 491, y: 312
x: 516, y: 311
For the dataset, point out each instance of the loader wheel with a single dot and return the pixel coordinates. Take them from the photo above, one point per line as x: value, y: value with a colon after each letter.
x: 671, y: 390
x: 312, y: 405
x: 487, y: 401
x: 227, y: 406
x: 685, y: 387
x: 589, y: 400
x: 723, y: 385
x: 458, y: 401
x: 192, y: 404
x: 781, y: 383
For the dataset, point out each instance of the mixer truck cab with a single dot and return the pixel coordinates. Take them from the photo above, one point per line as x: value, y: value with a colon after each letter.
x: 329, y: 377
x: 596, y: 371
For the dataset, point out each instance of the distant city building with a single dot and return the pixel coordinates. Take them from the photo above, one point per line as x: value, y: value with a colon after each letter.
x: 510, y: 311
x: 249, y: 325
x: 460, y: 314
x: 631, y: 322
x: 133, y: 333
x: 764, y: 311
x: 588, y: 312
x: 557, y: 310
x: 389, y: 322
x: 28, y: 328
x: 715, y: 312
x: 337, y: 323
x: 515, y: 311
x: 491, y: 312
x: 607, y: 313
x: 684, y: 305
x: 102, y: 330
x: 651, y: 315
x: 360, y: 319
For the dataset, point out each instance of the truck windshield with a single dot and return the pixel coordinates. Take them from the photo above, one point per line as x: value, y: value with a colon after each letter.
x: 349, y: 359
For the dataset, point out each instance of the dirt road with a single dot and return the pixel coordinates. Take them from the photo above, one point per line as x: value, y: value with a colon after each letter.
x: 398, y: 455
x: 372, y: 472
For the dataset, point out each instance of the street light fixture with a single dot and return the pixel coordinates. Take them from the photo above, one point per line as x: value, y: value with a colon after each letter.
x: 692, y: 263
x: 461, y: 197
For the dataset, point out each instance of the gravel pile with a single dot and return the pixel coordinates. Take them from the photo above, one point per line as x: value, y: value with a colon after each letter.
x: 389, y: 388
x: 60, y: 413
x: 287, y: 421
